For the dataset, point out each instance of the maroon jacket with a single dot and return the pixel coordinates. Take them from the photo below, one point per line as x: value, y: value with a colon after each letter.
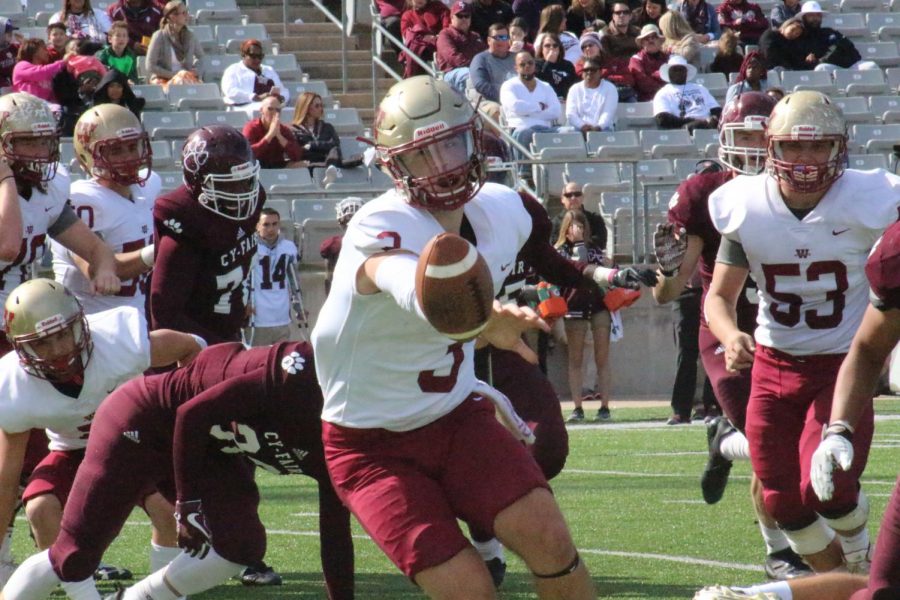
x: 142, y: 22
x: 455, y: 49
x: 390, y: 8
x: 419, y: 26
x: 753, y: 21
x: 271, y: 154
x: 645, y: 70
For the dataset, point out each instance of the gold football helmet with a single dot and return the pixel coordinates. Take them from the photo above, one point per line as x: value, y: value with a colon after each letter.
x: 29, y: 138
x: 110, y: 143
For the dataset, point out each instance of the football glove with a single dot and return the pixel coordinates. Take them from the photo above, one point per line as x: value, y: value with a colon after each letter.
x: 633, y: 277
x: 670, y: 246
x: 834, y: 450
x: 194, y: 536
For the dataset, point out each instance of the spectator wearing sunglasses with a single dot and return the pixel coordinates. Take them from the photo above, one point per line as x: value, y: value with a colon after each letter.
x: 620, y: 36
x: 551, y: 66
x: 573, y: 199
x: 274, y: 145
x: 591, y: 104
x: 457, y: 45
x: 246, y: 83
x: 489, y: 69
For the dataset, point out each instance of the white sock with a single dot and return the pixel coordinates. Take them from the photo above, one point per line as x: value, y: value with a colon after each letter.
x: 152, y: 587
x: 184, y: 576
x: 160, y: 556
x: 855, y: 547
x: 781, y: 588
x: 490, y: 549
x: 6, y: 546
x: 81, y: 590
x: 735, y: 446
x: 33, y: 579
x: 775, y: 539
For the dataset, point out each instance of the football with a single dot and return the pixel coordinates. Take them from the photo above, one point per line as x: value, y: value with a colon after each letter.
x: 454, y: 287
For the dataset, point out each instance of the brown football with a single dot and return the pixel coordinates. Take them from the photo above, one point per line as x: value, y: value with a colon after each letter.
x: 454, y: 287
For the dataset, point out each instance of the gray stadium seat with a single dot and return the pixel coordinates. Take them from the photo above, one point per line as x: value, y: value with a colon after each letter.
x: 206, y: 37
x: 601, y: 177
x: 170, y: 179
x: 893, y: 78
x: 380, y: 180
x: 213, y: 65
x: 170, y: 125
x: 33, y: 7
x: 345, y: 120
x: 316, y: 86
x: 610, y: 201
x: 876, y: 138
x: 546, y: 139
x: 854, y: 83
x: 215, y: 11
x: 655, y: 171
x: 855, y: 109
x: 884, y: 26
x: 232, y: 36
x: 33, y: 32
x: 548, y: 174
x: 885, y: 108
x: 236, y: 119
x: 820, y: 81
x: 635, y: 115
x: 343, y: 179
x: 864, y: 162
x: 685, y: 167
x: 196, y: 96
x: 707, y: 142
x: 614, y: 145
x: 286, y: 181
x: 883, y: 53
x: 350, y: 146
x: 162, y: 156
x: 852, y: 25
x: 668, y: 142
x: 15, y: 12
x: 314, y: 231
x: 716, y: 83
x: 851, y: 6
x: 285, y: 65
x: 154, y: 96
x: 318, y: 208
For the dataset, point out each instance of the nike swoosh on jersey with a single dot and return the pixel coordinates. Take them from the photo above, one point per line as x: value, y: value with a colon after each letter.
x: 505, y: 267
x: 833, y: 232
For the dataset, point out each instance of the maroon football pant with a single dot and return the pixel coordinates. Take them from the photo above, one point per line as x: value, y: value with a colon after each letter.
x: 732, y: 389
x: 884, y: 577
x: 790, y: 404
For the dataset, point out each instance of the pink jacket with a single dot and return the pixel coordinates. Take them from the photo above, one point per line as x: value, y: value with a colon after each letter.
x: 36, y: 79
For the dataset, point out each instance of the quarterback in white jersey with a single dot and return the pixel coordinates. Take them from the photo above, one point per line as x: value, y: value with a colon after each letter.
x: 408, y: 434
x: 804, y: 231
x: 63, y: 366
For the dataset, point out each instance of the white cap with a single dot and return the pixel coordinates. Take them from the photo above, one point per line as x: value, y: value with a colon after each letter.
x: 676, y: 60
x: 811, y: 7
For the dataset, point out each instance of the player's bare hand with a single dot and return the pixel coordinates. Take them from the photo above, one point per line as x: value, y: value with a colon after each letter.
x: 507, y: 324
x: 105, y: 283
x: 5, y: 171
x: 739, y: 351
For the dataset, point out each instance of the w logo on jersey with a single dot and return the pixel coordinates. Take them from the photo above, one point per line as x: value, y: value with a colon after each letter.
x: 802, y: 252
x: 293, y: 363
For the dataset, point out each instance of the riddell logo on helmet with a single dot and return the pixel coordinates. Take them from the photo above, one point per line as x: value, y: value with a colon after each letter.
x: 805, y: 132
x: 243, y: 170
x: 126, y: 133
x: 429, y: 130
x: 43, y: 127
x: 49, y: 323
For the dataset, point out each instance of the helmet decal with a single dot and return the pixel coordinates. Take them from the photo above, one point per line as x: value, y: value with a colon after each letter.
x: 195, y: 155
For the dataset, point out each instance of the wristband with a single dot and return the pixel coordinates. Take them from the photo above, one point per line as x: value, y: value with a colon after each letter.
x: 841, y: 428
x: 7, y: 177
x: 148, y: 254
x: 602, y: 276
x: 200, y: 341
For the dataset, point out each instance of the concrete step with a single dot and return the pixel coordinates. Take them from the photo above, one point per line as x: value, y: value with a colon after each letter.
x: 360, y: 84
x: 329, y: 70
x: 307, y: 12
x: 315, y: 43
x: 331, y: 58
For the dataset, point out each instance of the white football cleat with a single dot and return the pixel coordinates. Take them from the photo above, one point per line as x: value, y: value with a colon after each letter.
x: 720, y: 592
x: 859, y: 563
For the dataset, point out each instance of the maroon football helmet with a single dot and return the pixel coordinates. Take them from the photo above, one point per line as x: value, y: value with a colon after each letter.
x: 748, y: 112
x: 221, y: 171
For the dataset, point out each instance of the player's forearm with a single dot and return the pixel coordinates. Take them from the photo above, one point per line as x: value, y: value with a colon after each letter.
x: 721, y: 315
x: 168, y: 347
x: 131, y: 264
x: 11, y: 231
x: 669, y: 288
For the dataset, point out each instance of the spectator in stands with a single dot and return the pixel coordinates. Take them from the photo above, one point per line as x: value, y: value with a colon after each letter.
x: 681, y: 103
x: 174, y: 52
x: 8, y: 51
x: 620, y: 36
x: 489, y: 69
x: 680, y: 38
x: 781, y: 47
x: 530, y: 12
x: 583, y: 15
x: 34, y: 72
x: 746, y: 18
x: 74, y: 89
x: 553, y: 20
x: 390, y: 12
x: 701, y: 18
x: 330, y: 248
x: 591, y: 104
x: 753, y: 77
x: 649, y: 13
x: 552, y: 67
x: 420, y: 25
x: 591, y: 47
x: 274, y: 145
x: 317, y: 138
x: 57, y: 38
x: 728, y: 59
x: 82, y: 21
x: 248, y: 82
x: 825, y: 48
x: 616, y: 71
x: 644, y: 65
x: 117, y: 55
x: 783, y: 11
x: 518, y: 36
x: 142, y: 17
x: 457, y: 45
x: 529, y: 104
x: 487, y: 12
x: 115, y: 89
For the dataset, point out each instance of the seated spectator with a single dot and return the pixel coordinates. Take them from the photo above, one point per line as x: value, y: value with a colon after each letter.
x: 781, y: 47
x: 701, y: 18
x: 745, y: 18
x: 457, y: 45
x: 753, y: 77
x: 680, y: 38
x: 553, y: 20
x: 529, y: 104
x: 74, y: 88
x: 782, y: 12
x: 82, y: 22
x: 824, y: 48
x: 420, y: 25
x: 620, y: 36
x: 9, y: 49
x: 644, y: 65
x: 649, y: 13
x: 487, y: 12
x: 518, y: 39
x: 615, y: 70
x: 248, y: 82
x: 680, y: 103
x: 174, y: 52
x: 142, y: 17
x: 591, y: 47
x: 57, y: 38
x: 591, y: 104
x: 274, y: 145
x: 489, y: 69
x: 530, y: 12
x: 115, y: 89
x: 390, y: 11
x: 317, y: 138
x: 727, y: 59
x: 583, y: 16
x: 550, y: 66
x: 34, y: 72
x: 117, y: 55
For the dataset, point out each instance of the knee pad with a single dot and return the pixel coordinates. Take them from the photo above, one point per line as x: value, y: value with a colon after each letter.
x: 810, y: 539
x: 854, y: 519
x: 190, y: 575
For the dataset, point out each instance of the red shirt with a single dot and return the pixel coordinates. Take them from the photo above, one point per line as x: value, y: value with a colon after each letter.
x: 270, y: 153
x: 456, y: 49
x: 645, y: 70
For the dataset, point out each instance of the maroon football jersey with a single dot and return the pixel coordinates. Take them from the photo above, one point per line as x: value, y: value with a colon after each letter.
x: 202, y: 261
x: 689, y: 208
x: 883, y: 269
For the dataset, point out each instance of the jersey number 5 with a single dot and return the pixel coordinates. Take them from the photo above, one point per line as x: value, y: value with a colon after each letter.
x: 785, y: 308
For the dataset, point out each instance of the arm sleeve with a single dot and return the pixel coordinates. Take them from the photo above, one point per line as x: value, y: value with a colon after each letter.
x: 335, y: 543
x: 543, y: 257
x: 154, y: 52
x: 573, y: 103
x: 554, y: 108
x: 732, y: 253
x: 396, y: 275
x: 66, y: 219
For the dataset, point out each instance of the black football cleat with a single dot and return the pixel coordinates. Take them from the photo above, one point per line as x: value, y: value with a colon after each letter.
x: 715, y: 475
x: 261, y: 574
x: 786, y: 564
x: 110, y: 573
x: 497, y: 568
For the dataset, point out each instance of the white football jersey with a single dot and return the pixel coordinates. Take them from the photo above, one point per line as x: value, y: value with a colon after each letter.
x: 379, y: 365
x: 125, y: 226
x: 810, y: 272
x: 271, y: 290
x: 121, y: 352
x: 38, y: 215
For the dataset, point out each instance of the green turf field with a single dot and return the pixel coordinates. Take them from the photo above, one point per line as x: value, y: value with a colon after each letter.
x: 630, y: 492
